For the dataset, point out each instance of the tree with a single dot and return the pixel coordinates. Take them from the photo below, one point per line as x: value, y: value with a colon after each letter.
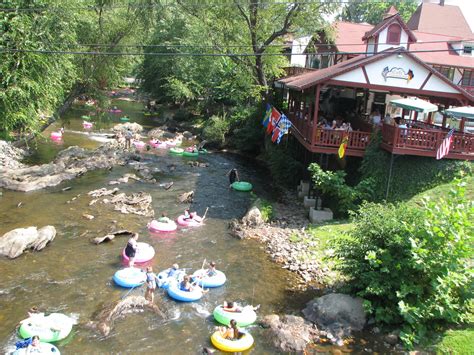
x: 372, y: 12
x: 254, y: 27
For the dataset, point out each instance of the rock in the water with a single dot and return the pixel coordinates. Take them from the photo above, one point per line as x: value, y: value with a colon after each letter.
x: 105, y: 318
x: 15, y: 242
x: 187, y: 134
x: 111, y: 235
x: 186, y: 197
x: 337, y: 313
x: 253, y: 217
x: 132, y: 126
x: 10, y: 156
x: 289, y: 333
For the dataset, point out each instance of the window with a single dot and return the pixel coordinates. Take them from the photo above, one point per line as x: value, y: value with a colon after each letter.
x: 446, y: 71
x: 394, y: 33
x: 467, y: 50
x: 467, y: 78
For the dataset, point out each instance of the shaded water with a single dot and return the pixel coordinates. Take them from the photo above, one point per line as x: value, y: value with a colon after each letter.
x: 73, y: 276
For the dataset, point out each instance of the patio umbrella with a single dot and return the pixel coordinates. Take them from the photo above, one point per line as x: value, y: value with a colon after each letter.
x: 461, y: 112
x: 414, y: 104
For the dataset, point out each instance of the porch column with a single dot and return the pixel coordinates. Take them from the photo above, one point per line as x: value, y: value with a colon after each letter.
x: 443, y: 124
x: 461, y: 124
x: 415, y: 116
x: 315, y: 115
x: 430, y: 118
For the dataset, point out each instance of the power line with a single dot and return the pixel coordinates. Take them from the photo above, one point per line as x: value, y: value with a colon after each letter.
x: 229, y: 46
x: 198, y: 3
x: 188, y: 54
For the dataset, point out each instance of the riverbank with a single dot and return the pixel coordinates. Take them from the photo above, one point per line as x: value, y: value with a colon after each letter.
x: 292, y: 242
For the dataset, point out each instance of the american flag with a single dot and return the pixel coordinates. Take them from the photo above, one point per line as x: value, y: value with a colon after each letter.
x: 443, y: 148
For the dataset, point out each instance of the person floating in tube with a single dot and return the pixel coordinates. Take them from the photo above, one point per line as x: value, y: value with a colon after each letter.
x: 233, y: 175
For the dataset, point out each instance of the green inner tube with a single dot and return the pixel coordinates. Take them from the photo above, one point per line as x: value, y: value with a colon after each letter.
x: 147, y: 113
x: 242, y: 186
x: 176, y: 151
x: 243, y: 319
x: 202, y: 151
x: 124, y: 119
x: 190, y: 154
x: 84, y: 117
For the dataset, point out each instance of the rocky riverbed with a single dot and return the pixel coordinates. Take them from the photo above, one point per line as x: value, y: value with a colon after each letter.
x: 286, y: 238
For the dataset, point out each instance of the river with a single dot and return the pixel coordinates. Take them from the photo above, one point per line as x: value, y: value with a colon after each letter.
x: 73, y: 276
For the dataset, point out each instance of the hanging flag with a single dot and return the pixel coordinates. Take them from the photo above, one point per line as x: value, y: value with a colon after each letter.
x: 284, y: 125
x: 342, y: 148
x: 276, y: 134
x: 266, y: 118
x: 445, y: 145
x: 274, y: 119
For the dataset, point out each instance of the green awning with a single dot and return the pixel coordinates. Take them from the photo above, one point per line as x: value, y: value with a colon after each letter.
x: 417, y: 105
x: 460, y: 112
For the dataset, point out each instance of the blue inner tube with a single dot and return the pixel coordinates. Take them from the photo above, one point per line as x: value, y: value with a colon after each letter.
x: 164, y: 280
x: 184, y: 296
x: 206, y: 281
x: 129, y: 277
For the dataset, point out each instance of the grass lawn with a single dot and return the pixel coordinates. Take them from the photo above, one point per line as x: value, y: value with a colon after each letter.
x: 459, y: 342
x: 443, y: 191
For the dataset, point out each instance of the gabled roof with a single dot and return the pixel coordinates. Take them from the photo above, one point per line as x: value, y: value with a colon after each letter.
x: 309, y: 79
x: 434, y: 18
x: 387, y: 21
x: 348, y: 34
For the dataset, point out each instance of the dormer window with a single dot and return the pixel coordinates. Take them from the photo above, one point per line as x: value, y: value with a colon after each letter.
x: 393, y: 34
x: 467, y: 50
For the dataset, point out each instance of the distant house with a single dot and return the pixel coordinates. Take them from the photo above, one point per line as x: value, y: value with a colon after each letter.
x: 366, y: 67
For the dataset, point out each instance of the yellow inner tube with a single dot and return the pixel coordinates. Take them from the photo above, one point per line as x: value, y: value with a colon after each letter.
x: 243, y: 343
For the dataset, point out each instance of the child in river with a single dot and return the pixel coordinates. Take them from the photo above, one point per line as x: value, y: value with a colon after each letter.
x: 150, y: 284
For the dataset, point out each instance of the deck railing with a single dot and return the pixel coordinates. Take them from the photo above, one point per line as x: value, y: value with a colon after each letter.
x: 426, y: 140
x: 357, y: 140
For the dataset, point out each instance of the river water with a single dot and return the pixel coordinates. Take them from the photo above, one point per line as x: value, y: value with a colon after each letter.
x: 73, y: 276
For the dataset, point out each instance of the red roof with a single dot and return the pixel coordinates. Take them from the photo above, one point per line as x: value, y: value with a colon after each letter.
x: 451, y: 58
x: 387, y: 21
x: 350, y: 33
x: 309, y: 79
x: 434, y: 18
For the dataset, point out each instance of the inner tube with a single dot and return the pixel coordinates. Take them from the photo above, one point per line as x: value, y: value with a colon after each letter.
x: 139, y: 144
x: 202, y: 151
x: 164, y: 281
x: 196, y: 221
x: 243, y: 319
x: 85, y: 117
x: 243, y: 343
x: 205, y: 280
x: 155, y: 226
x: 51, y: 328
x: 145, y: 253
x: 190, y: 154
x: 115, y: 111
x: 56, y: 135
x: 147, y: 114
x: 129, y: 277
x: 171, y: 144
x: 44, y: 348
x: 184, y: 296
x: 242, y: 186
x: 158, y: 144
x: 86, y: 124
x: 124, y: 119
x: 177, y: 151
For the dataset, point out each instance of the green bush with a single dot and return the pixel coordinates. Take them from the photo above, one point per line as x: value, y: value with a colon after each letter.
x: 411, y: 265
x: 215, y: 130
x: 285, y: 169
x: 266, y: 209
x: 246, y: 129
x: 343, y: 198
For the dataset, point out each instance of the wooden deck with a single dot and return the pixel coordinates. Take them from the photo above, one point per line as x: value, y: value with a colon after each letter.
x: 421, y: 141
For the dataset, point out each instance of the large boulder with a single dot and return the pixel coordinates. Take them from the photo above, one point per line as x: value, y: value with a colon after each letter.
x: 337, y: 313
x: 253, y: 217
x: 289, y: 333
x: 15, y: 242
x: 10, y: 156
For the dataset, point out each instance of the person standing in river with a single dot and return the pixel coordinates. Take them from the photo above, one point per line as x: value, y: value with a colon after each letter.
x: 131, y: 249
x: 128, y: 138
x: 233, y: 176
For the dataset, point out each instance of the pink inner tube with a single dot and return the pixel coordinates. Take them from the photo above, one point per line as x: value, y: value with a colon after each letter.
x: 171, y: 144
x: 154, y: 144
x: 115, y: 111
x: 195, y: 222
x: 139, y: 144
x: 155, y: 226
x: 144, y: 253
x: 56, y: 135
x: 87, y: 125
